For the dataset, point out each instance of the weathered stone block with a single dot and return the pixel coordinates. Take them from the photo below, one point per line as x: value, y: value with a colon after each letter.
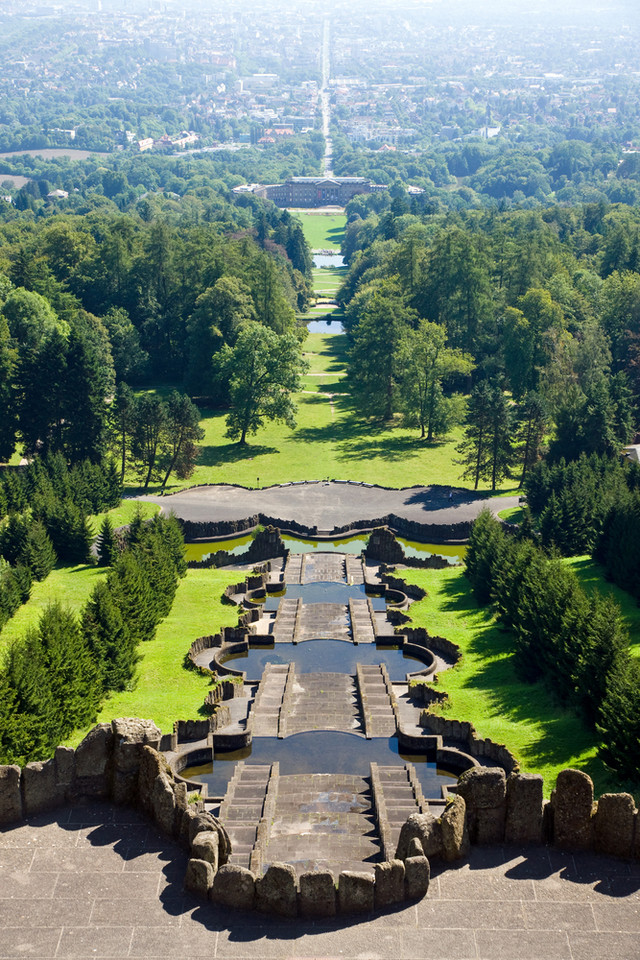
x: 455, y: 834
x: 65, y: 760
x: 199, y: 877
x: 389, y: 883
x: 426, y: 829
x: 356, y: 892
x: 163, y: 803
x: 417, y: 874
x: 152, y: 764
x: 205, y: 847
x: 94, y: 753
x: 234, y: 887
x: 39, y: 789
x: 276, y: 891
x: 317, y: 894
x: 524, y: 808
x: 414, y: 848
x: 136, y: 730
x: 573, y: 810
x: 10, y: 795
x: 613, y: 824
x: 484, y: 791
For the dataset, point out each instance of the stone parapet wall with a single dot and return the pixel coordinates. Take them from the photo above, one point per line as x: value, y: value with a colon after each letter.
x: 120, y: 761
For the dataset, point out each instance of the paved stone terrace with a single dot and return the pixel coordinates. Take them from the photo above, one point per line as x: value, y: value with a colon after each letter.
x: 96, y: 881
x: 329, y: 504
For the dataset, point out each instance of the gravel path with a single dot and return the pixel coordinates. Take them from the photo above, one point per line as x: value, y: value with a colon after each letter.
x: 329, y: 504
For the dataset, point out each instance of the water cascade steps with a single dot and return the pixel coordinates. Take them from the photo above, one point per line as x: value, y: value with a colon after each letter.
x: 397, y: 794
x: 322, y: 821
x: 322, y: 701
x: 377, y: 710
x: 242, y: 808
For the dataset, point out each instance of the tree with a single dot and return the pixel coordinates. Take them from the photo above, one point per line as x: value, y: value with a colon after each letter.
x: 130, y: 361
x: 121, y: 422
x: 263, y: 370
x: 148, y: 417
x: 376, y: 361
x: 181, y: 432
x: 8, y: 418
x: 532, y: 425
x: 428, y: 363
x: 218, y: 316
x: 486, y: 448
x: 106, y: 544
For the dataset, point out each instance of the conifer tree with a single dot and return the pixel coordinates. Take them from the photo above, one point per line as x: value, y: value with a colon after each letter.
x: 106, y: 545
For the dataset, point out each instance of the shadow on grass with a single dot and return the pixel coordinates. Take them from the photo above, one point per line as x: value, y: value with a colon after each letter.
x: 223, y: 455
x: 563, y: 735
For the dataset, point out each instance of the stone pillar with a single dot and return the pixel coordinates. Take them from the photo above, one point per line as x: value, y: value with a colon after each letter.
x: 524, y: 808
x: 573, y: 810
x: 484, y: 790
x: 613, y: 825
x: 10, y: 795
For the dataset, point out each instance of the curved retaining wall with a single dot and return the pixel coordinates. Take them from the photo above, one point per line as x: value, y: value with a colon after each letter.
x: 410, y: 529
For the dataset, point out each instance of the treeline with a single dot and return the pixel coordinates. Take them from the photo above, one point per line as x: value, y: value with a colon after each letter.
x: 55, y: 679
x: 88, y: 303
x: 46, y: 506
x: 573, y: 643
x: 542, y: 307
x: 473, y: 173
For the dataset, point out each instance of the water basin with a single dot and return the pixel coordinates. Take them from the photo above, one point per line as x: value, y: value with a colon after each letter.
x: 325, y: 656
x: 350, y: 545
x: 320, y: 751
x: 327, y: 327
x: 323, y: 592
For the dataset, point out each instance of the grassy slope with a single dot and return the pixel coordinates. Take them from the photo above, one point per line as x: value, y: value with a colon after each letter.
x: 165, y: 690
x: 591, y: 577
x: 323, y: 231
x: 484, y: 688
x: 329, y: 440
x: 70, y: 585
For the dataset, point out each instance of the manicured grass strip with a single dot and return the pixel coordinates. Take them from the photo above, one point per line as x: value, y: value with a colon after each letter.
x: 323, y: 231
x: 513, y: 515
x: 165, y: 690
x: 69, y: 585
x: 591, y: 576
x: 485, y: 689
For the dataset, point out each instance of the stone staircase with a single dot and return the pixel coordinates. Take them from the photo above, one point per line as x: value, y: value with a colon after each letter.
x: 322, y: 821
x: 323, y: 566
x: 286, y: 622
x: 323, y: 621
x: 268, y: 701
x: 353, y: 569
x: 242, y: 807
x: 397, y: 794
x: 362, y: 620
x: 377, y: 710
x: 322, y: 701
x: 293, y: 568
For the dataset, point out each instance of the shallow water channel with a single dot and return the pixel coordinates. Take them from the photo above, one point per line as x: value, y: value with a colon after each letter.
x: 352, y: 545
x: 319, y: 751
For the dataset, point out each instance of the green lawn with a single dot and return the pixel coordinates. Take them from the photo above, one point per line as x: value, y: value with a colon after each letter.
x: 323, y: 231
x: 330, y: 440
x: 165, y: 690
x: 484, y: 687
x: 591, y: 576
x: 70, y: 585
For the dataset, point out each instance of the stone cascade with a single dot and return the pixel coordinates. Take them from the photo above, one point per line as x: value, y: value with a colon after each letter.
x: 397, y: 795
x: 363, y: 623
x: 322, y: 701
x: 242, y: 809
x: 325, y: 567
x: 377, y: 708
x: 323, y: 821
x: 323, y: 621
x: 293, y: 571
x: 354, y: 570
x: 268, y: 702
x: 285, y: 627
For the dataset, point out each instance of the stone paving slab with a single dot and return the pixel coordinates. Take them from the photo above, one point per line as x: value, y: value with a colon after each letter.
x: 504, y: 904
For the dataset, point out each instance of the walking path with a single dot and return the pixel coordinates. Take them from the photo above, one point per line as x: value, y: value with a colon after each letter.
x: 98, y: 882
x: 330, y: 504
